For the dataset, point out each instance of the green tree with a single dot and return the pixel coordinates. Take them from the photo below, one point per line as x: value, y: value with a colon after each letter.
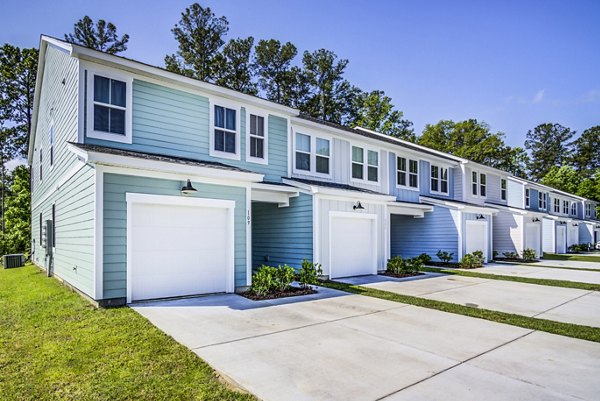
x: 564, y: 178
x: 586, y: 152
x: 102, y: 36
x: 331, y: 97
x: 277, y: 78
x: 18, y: 228
x: 515, y: 161
x: 234, y: 68
x: 549, y: 146
x: 200, y: 34
x: 376, y: 112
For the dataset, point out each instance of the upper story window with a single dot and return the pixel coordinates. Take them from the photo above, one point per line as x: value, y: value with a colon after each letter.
x: 439, y: 179
x: 41, y: 163
x: 588, y: 210
x: 565, y: 207
x: 527, y: 197
x: 257, y: 139
x: 503, y: 189
x: 543, y: 200
x: 407, y: 173
x: 573, y: 208
x: 362, y: 168
x: 556, y: 205
x: 109, y: 107
x: 51, y: 143
x: 225, y: 133
x: 312, y: 154
x: 478, y: 184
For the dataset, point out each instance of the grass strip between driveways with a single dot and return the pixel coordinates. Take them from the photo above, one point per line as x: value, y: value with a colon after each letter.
x: 519, y: 279
x: 549, y: 326
x: 581, y: 269
x: 55, y: 346
x: 576, y: 258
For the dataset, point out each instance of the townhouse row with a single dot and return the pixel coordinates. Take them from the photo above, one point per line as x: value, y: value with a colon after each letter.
x: 147, y: 184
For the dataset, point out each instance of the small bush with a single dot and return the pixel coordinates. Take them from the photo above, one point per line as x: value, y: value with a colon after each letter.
x: 284, y: 277
x: 399, y: 266
x: 264, y: 280
x: 424, y: 258
x: 309, y: 273
x: 444, y: 256
x: 529, y: 255
x: 576, y: 248
x: 478, y: 255
x: 495, y: 254
x: 415, y: 265
x: 510, y: 255
x: 471, y: 261
x: 394, y: 265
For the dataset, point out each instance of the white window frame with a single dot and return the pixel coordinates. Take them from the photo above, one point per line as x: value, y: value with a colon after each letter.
x: 407, y: 173
x: 51, y: 141
x: 556, y: 205
x: 482, y: 185
x: 439, y: 179
x: 265, y: 138
x: 41, y: 161
x: 527, y: 197
x: 474, y: 183
x: 573, y: 208
x: 365, y: 164
x: 107, y: 136
x: 542, y: 200
x: 313, y: 153
x: 588, y: 210
x: 479, y: 184
x: 211, y: 134
x: 565, y: 207
x: 503, y: 189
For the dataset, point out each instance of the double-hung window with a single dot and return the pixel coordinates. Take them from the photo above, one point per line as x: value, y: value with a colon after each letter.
x: 556, y: 205
x: 312, y: 154
x: 439, y: 179
x: 573, y: 208
x: 503, y: 189
x: 362, y: 170
x: 565, y: 207
x: 482, y: 185
x: 474, y: 183
x: 51, y: 143
x: 478, y: 184
x: 257, y: 139
x: 588, y: 210
x: 407, y: 173
x: 527, y: 197
x: 41, y: 163
x: 109, y: 108
x: 225, y: 140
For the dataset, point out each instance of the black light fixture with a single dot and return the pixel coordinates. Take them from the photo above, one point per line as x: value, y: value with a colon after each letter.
x: 480, y: 217
x: 358, y: 206
x: 575, y: 225
x: 535, y: 220
x: 188, y: 189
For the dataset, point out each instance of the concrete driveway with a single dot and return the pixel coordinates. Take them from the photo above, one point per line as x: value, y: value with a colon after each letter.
x: 533, y: 271
x: 336, y: 346
x: 554, y: 303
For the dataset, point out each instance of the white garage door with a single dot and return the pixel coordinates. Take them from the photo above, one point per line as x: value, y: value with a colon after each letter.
x: 353, y: 246
x: 572, y: 235
x: 533, y: 237
x: 476, y: 237
x: 177, y: 250
x: 561, y: 239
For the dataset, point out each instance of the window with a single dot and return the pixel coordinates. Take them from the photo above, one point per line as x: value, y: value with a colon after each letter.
x: 51, y: 143
x: 358, y: 163
x: 360, y: 170
x: 109, y: 107
x: 574, y: 208
x: 474, y: 183
x: 307, y: 160
x: 322, y: 156
x: 544, y: 201
x: 413, y: 174
x: 41, y: 163
x: 407, y: 178
x: 588, y: 210
x: 41, y: 231
x: 439, y: 179
x: 257, y: 139
x: 482, y: 185
x: 53, y: 225
x: 503, y: 189
x: 565, y: 207
x: 401, y: 170
x: 556, y: 205
x: 302, y: 152
x: 527, y: 197
x: 225, y: 130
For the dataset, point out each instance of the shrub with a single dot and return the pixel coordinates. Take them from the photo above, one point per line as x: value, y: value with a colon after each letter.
x: 424, y: 258
x: 264, y: 280
x: 398, y: 266
x: 415, y: 265
x: 444, y: 256
x: 284, y: 276
x: 510, y: 255
x: 394, y: 265
x: 529, y: 255
x: 495, y: 254
x: 478, y: 255
x: 471, y: 261
x: 309, y: 273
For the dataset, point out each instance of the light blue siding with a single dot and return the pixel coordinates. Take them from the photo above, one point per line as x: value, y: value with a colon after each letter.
x: 171, y: 122
x: 405, y: 195
x: 115, y: 223
x: 425, y: 181
x: 282, y: 235
x: 436, y: 231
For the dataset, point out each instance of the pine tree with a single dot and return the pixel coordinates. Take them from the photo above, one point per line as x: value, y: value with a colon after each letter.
x: 376, y: 112
x: 102, y: 36
x: 277, y: 78
x: 586, y: 152
x: 234, y: 68
x: 549, y: 146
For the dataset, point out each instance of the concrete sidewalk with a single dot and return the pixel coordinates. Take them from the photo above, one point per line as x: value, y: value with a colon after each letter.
x: 555, y: 303
x: 337, y: 346
x: 532, y: 271
x: 563, y: 263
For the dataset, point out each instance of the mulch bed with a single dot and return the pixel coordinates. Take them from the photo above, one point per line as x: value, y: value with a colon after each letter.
x: 401, y: 275
x: 290, y: 292
x: 517, y: 260
x: 452, y: 265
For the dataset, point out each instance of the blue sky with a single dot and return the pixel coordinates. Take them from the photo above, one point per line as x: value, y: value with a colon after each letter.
x: 513, y: 64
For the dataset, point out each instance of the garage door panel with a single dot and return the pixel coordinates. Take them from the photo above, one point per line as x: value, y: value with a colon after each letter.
x: 476, y: 237
x: 352, y: 246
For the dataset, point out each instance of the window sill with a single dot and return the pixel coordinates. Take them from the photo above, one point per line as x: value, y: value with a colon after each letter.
x: 107, y: 136
x: 257, y: 160
x: 225, y: 155
x: 408, y: 188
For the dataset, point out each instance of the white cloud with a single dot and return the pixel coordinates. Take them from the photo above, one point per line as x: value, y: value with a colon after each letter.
x: 14, y: 163
x: 539, y: 96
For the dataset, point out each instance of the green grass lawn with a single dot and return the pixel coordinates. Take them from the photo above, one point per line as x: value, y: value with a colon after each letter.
x: 576, y: 258
x: 55, y: 346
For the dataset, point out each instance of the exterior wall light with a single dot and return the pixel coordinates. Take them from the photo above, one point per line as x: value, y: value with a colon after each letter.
x: 480, y: 217
x: 535, y: 220
x: 358, y: 206
x: 188, y: 188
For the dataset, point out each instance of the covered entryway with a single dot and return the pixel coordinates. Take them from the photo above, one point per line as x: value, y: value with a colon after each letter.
x: 353, y: 244
x: 476, y: 237
x: 561, y: 239
x: 178, y: 246
x: 533, y: 238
